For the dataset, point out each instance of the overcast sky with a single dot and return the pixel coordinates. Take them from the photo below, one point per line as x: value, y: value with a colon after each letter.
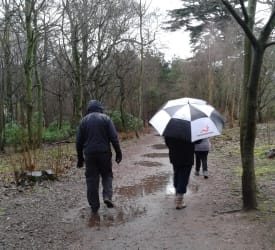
x: 172, y: 44
x: 176, y: 44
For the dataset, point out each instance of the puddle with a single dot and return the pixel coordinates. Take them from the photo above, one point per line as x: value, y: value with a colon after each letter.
x: 131, y: 201
x: 148, y: 163
x: 155, y: 155
x: 159, y: 146
x: 116, y: 216
x: 147, y: 186
x: 129, y: 208
x: 169, y: 189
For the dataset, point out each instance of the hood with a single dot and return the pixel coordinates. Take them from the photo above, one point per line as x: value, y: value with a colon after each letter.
x: 94, y: 106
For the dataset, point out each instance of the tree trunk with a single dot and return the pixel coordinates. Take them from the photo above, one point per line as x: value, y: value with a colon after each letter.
x: 85, y: 46
x: 122, y: 103
x: 2, y: 120
x: 39, y: 122
x: 7, y: 74
x: 7, y: 83
x: 247, y: 63
x: 210, y: 75
x: 78, y: 95
x: 28, y: 67
x: 247, y: 126
x: 140, y: 77
x: 60, y: 109
x: 249, y: 131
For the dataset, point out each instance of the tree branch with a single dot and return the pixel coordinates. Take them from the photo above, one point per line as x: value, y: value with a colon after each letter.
x: 242, y: 23
x: 244, y: 11
x: 268, y: 27
x: 269, y: 44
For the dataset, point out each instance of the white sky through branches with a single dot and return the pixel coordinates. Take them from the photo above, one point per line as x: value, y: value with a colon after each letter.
x: 172, y: 44
x: 176, y: 44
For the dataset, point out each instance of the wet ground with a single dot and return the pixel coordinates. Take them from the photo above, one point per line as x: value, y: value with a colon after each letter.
x: 57, y: 216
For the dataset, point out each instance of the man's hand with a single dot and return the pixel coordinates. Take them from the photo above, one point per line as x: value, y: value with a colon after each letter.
x: 118, y: 157
x: 80, y: 163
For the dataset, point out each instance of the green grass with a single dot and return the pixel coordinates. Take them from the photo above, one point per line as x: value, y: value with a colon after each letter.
x: 260, y: 151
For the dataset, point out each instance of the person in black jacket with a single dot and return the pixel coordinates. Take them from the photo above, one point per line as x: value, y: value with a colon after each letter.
x: 95, y: 134
x: 181, y: 155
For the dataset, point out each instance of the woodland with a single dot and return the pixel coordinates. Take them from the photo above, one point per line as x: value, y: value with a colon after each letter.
x: 56, y: 55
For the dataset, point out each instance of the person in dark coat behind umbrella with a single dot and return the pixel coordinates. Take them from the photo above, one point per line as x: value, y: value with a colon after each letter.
x: 181, y: 155
x: 96, y: 133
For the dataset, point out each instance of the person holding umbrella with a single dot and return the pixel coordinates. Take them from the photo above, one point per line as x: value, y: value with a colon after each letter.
x: 183, y: 121
x: 181, y: 155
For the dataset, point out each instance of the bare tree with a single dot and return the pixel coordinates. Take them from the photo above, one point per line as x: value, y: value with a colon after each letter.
x: 254, y: 54
x: 266, y: 86
x: 142, y: 11
x: 5, y: 83
x: 2, y: 120
x: 124, y: 62
x: 96, y: 28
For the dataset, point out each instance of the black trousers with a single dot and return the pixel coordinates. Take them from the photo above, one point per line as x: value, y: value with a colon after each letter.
x: 98, y: 165
x: 181, y: 177
x: 201, y: 159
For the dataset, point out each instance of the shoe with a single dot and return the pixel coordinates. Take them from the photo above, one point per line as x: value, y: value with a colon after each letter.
x: 205, y: 174
x: 94, y: 220
x: 94, y: 210
x: 179, y: 202
x: 181, y: 206
x: 197, y: 173
x: 109, y: 203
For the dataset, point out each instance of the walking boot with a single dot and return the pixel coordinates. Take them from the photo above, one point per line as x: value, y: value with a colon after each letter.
x: 179, y: 201
x: 109, y: 203
x: 94, y: 220
x: 205, y: 174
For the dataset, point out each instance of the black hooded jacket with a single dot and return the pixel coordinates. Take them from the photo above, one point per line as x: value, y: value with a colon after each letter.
x: 180, y: 152
x: 96, y: 132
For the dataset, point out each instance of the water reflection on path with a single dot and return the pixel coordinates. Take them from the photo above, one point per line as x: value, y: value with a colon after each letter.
x: 129, y: 208
x: 132, y: 200
x: 149, y: 185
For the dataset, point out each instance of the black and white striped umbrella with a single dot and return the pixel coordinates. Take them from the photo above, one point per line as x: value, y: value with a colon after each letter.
x: 188, y: 119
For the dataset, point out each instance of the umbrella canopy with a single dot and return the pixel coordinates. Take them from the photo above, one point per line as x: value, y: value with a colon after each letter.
x: 188, y: 119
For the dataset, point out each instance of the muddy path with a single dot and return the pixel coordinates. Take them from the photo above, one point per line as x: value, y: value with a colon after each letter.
x: 57, y: 215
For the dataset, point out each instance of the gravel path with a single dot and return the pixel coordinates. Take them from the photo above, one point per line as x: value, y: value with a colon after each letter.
x: 55, y: 215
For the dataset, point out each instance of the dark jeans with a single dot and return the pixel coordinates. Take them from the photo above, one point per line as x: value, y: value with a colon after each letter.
x: 181, y: 177
x: 98, y: 165
x: 201, y: 158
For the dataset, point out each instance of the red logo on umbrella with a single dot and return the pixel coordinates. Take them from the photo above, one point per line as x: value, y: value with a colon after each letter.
x: 205, y: 130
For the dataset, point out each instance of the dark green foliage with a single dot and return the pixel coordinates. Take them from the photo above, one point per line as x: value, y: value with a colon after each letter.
x: 55, y: 133
x: 13, y: 133
x: 131, y: 122
x: 154, y: 98
x: 195, y: 16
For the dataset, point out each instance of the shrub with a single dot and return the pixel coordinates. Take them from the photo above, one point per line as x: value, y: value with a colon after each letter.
x: 54, y: 133
x: 13, y: 133
x: 131, y: 122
